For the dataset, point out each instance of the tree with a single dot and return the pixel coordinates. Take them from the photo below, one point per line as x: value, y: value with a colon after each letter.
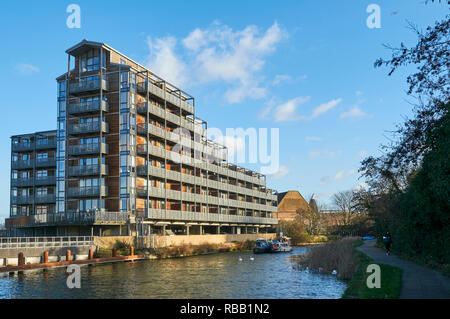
x: 409, y: 184
x: 345, y: 202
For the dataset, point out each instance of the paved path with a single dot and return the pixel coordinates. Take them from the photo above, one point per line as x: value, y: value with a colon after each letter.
x: 418, y: 282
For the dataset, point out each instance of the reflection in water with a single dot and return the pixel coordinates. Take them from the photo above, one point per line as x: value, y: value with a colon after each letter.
x: 210, y: 276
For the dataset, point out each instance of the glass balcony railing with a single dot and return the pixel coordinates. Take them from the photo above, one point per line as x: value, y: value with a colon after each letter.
x: 45, y: 162
x: 21, y: 200
x: 88, y: 86
x: 24, y: 164
x: 87, y: 170
x: 20, y: 147
x: 87, y: 128
x: 22, y: 182
x: 91, y: 191
x: 40, y: 145
x: 87, y: 149
x: 45, y: 180
x: 88, y: 107
x: 43, y: 199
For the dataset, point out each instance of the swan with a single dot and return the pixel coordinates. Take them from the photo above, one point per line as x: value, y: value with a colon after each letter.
x: 252, y: 258
x: 334, y: 272
x: 240, y: 258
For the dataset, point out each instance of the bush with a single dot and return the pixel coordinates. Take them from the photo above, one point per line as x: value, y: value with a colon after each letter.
x: 338, y: 255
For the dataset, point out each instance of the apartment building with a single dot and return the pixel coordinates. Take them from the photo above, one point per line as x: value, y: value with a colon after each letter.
x: 131, y: 155
x: 33, y: 180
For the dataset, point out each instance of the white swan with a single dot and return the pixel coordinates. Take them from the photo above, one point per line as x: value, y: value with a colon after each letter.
x: 240, y: 258
x: 252, y: 258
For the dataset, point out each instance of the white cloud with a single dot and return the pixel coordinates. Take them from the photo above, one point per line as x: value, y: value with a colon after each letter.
x: 325, y: 107
x: 339, y: 175
x: 358, y: 93
x: 219, y: 54
x: 26, y: 69
x: 164, y: 62
x: 280, y: 78
x: 354, y: 112
x: 282, y: 171
x: 313, y: 139
x: 287, y: 111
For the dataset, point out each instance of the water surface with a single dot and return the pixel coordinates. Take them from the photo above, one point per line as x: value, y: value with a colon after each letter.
x: 209, y: 276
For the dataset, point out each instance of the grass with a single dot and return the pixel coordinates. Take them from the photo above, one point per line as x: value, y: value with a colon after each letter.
x: 391, y: 280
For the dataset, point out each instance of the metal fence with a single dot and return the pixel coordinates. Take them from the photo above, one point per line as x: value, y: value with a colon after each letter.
x: 45, y: 242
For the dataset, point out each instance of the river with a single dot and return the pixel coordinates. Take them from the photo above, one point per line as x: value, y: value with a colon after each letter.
x: 209, y: 276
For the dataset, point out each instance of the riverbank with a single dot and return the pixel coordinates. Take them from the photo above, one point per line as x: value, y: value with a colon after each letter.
x: 391, y: 280
x: 340, y: 258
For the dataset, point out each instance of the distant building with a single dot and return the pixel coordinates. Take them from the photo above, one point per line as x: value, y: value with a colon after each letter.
x: 289, y: 203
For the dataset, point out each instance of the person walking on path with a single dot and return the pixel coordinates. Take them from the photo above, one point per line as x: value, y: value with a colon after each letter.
x: 387, y: 241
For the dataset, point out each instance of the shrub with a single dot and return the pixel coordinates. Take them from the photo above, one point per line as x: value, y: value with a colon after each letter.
x: 337, y: 255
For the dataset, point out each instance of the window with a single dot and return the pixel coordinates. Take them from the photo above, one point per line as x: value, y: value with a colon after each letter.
x: 90, y: 61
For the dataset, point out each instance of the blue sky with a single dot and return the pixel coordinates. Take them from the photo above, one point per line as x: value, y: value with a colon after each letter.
x: 306, y: 68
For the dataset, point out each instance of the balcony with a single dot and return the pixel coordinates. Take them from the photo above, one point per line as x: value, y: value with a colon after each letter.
x: 46, y: 144
x: 92, y: 191
x: 70, y: 218
x: 206, y: 217
x: 44, y: 199
x: 88, y: 128
x: 88, y: 107
x: 22, y: 200
x: 45, y: 180
x: 88, y: 170
x: 22, y: 147
x: 88, y: 86
x: 46, y: 162
x: 22, y: 182
x: 26, y: 164
x: 88, y: 149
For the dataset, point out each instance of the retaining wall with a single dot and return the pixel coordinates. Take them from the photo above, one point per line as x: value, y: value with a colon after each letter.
x: 156, y: 241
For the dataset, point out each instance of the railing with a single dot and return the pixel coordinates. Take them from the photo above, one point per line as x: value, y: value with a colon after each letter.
x: 21, y: 200
x: 22, y: 182
x: 91, y: 191
x: 40, y: 199
x: 47, y: 144
x: 88, y: 107
x: 86, y: 170
x: 46, y: 180
x: 206, y: 217
x: 45, y: 162
x: 45, y: 242
x: 22, y: 164
x: 22, y: 147
x: 86, y: 86
x: 85, y: 149
x: 92, y: 127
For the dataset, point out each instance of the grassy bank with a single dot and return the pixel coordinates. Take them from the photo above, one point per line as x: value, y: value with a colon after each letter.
x: 391, y: 280
x: 341, y: 257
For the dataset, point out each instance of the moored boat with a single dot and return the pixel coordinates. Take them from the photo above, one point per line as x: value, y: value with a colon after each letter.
x: 261, y: 246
